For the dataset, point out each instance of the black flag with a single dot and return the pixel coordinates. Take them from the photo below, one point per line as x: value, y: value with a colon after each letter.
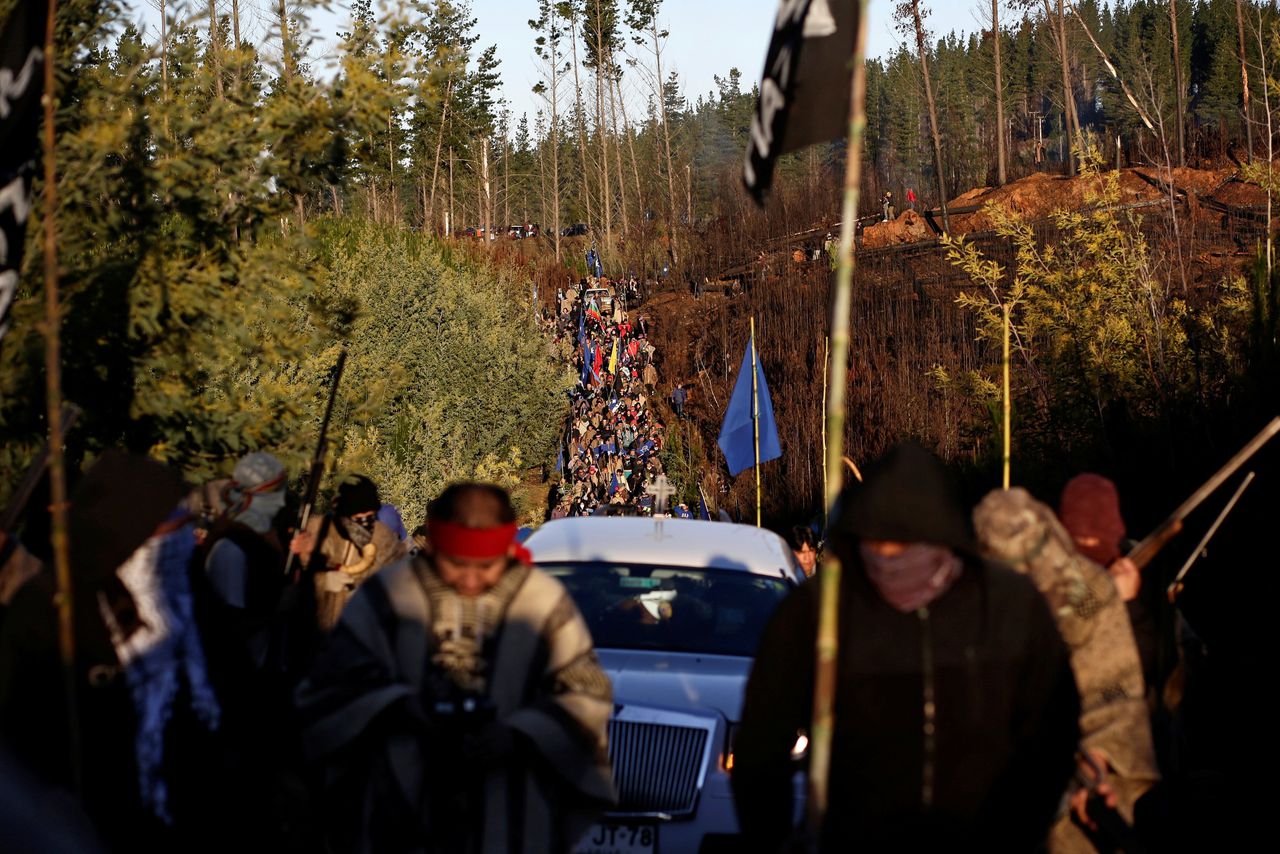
x: 804, y: 96
x: 21, y: 82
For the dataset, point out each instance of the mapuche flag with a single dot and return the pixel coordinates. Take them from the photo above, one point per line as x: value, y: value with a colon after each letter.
x: 804, y: 94
x: 21, y: 83
x: 737, y: 434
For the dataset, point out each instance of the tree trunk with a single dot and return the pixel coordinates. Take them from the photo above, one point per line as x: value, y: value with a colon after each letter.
x: 1071, y: 124
x: 1244, y: 80
x: 391, y: 171
x: 453, y: 222
x: 555, y: 142
x: 435, y: 168
x: 933, y: 114
x: 1177, y: 82
x: 581, y: 117
x: 164, y: 63
x: 488, y: 191
x: 214, y: 58
x: 506, y: 184
x: 286, y: 48
x: 617, y: 157
x: 1002, y: 175
x: 666, y: 143
x: 631, y: 148
x: 602, y: 130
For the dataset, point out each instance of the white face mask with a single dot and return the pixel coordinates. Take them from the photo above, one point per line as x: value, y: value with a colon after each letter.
x: 261, y: 510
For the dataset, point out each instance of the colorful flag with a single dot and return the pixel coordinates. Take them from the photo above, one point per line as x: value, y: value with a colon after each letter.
x: 737, y: 434
x: 613, y: 358
x: 21, y: 84
x: 804, y: 96
x: 704, y: 511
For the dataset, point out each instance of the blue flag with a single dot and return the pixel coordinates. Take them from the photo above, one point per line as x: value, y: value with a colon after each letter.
x: 704, y: 512
x: 737, y: 439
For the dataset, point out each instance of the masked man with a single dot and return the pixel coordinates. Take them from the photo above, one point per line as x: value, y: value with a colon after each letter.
x: 353, y: 545
x: 955, y: 709
x: 1115, y: 736
x: 459, y: 705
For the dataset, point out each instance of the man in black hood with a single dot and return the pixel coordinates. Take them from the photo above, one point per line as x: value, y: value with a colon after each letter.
x: 955, y: 709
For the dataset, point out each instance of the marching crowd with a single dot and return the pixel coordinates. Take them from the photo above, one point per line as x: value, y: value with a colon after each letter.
x: 613, y: 436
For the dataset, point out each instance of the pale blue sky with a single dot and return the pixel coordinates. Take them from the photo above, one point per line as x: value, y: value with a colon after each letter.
x: 708, y: 37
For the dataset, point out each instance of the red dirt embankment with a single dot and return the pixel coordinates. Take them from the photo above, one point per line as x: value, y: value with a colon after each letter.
x: 1040, y: 194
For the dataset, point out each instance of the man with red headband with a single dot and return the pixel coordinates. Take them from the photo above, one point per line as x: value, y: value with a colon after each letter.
x: 459, y: 705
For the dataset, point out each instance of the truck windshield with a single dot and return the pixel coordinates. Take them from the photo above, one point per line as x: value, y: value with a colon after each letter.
x: 673, y: 609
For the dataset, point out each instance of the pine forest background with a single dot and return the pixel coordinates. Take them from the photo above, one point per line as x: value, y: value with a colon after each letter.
x: 230, y: 217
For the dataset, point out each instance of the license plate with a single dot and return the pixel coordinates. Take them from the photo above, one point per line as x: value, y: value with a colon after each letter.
x: 611, y: 838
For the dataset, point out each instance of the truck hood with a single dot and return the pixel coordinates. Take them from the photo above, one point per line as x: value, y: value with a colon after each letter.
x: 678, y: 680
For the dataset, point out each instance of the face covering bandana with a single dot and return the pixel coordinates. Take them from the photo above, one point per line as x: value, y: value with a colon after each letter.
x: 358, y: 531
x: 913, y: 578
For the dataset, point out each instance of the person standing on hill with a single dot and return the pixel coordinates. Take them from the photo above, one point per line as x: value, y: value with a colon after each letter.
x: 679, y: 396
x: 956, y: 713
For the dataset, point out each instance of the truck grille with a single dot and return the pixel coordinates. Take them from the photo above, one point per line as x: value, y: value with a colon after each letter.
x: 656, y: 766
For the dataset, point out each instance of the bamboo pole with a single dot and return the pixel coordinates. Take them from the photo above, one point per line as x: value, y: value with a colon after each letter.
x: 825, y: 645
x: 826, y: 366
x: 755, y: 416
x: 53, y: 403
x: 1004, y: 307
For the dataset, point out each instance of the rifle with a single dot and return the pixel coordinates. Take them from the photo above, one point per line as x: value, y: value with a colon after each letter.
x: 1143, y: 553
x: 35, y: 471
x: 317, y: 462
x: 1175, y: 586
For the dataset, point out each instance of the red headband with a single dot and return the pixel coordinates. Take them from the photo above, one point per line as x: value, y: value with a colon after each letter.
x: 476, y: 543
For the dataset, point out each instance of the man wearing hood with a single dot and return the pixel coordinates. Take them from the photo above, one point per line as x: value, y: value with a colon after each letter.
x: 353, y: 546
x: 955, y: 708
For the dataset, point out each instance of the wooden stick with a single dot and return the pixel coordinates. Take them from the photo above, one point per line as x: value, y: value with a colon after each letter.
x: 755, y: 416
x: 1144, y: 551
x: 1175, y: 587
x: 1004, y: 306
x: 826, y: 643
x: 53, y: 401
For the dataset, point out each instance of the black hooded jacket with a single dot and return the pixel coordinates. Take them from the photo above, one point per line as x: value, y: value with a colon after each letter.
x: 956, y: 725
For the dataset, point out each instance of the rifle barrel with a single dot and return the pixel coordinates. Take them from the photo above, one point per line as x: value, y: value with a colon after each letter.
x: 1208, y: 488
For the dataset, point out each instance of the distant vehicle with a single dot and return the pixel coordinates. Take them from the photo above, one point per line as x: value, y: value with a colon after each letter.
x: 676, y: 608
x: 602, y: 296
x: 577, y: 230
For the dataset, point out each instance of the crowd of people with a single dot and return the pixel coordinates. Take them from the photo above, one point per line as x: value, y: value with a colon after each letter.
x: 613, y: 436
x: 240, y: 682
x: 236, y: 680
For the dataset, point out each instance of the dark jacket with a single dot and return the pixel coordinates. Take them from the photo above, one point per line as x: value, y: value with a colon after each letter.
x: 991, y: 773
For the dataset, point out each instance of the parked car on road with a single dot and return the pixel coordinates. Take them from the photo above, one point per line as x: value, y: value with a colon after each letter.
x: 676, y: 609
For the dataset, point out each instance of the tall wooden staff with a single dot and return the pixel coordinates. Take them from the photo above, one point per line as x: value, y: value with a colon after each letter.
x: 53, y: 404
x: 826, y: 645
x: 755, y: 415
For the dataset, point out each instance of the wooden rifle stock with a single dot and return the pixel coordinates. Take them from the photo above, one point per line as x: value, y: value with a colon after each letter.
x: 317, y: 463
x: 1145, y: 551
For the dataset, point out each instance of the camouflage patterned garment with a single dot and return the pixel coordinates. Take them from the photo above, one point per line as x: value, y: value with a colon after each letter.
x: 1015, y: 528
